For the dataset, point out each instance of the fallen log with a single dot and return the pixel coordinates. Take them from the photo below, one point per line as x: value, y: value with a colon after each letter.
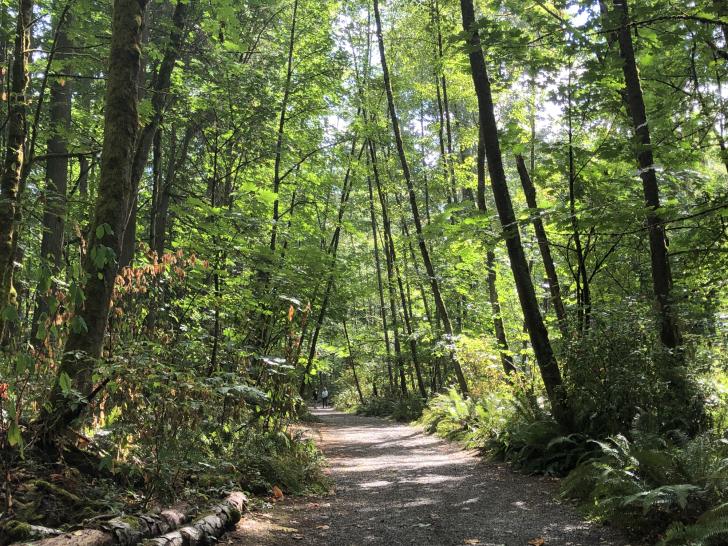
x: 120, y: 531
x: 207, y: 528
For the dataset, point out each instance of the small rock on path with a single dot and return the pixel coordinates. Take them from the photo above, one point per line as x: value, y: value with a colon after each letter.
x: 395, y: 485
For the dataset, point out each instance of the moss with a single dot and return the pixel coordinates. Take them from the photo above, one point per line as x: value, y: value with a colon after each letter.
x: 14, y: 530
x: 235, y: 515
x: 57, y: 491
x: 131, y: 521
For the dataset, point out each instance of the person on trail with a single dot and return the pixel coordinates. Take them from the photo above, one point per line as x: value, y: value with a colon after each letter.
x: 325, y: 398
x: 315, y: 397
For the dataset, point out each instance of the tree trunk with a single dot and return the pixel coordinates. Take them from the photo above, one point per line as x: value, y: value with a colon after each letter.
x: 332, y: 252
x: 583, y: 291
x: 57, y: 162
x: 115, y: 193
x: 383, y: 310
x: 408, y: 322
x: 387, y: 229
x: 543, y: 244
x: 160, y: 86
x: 434, y: 282
x: 351, y: 363
x: 661, y: 275
x: 161, y: 210
x: 500, y: 332
x: 536, y: 328
x: 54, y: 213
x: 14, y: 163
x: 281, y: 126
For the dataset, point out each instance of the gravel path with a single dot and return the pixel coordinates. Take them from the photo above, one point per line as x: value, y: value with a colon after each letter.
x: 396, y: 485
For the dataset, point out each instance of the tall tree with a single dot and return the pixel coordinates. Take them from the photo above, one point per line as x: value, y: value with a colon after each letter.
x: 660, y: 263
x: 14, y: 164
x: 529, y: 190
x: 55, y: 206
x: 424, y: 251
x: 524, y: 285
x: 160, y: 98
x: 116, y: 191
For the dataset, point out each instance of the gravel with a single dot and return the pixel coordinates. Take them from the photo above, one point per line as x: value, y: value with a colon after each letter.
x: 396, y: 485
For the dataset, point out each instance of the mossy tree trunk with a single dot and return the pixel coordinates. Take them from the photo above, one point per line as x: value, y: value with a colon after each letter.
x: 14, y: 163
x: 121, y: 121
x: 160, y: 87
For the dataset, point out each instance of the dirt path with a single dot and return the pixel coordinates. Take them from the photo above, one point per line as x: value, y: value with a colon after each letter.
x: 397, y: 485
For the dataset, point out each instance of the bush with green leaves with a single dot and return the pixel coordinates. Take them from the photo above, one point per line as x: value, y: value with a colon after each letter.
x: 534, y: 443
x: 675, y: 489
x: 407, y: 408
x: 618, y: 369
x: 471, y: 420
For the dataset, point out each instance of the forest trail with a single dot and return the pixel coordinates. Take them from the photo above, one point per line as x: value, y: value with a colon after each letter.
x: 395, y: 484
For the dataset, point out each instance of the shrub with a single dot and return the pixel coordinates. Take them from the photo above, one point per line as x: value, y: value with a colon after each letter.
x: 405, y: 409
x: 652, y: 486
x: 471, y: 420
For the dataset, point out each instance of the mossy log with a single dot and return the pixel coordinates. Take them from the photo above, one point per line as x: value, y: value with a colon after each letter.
x: 122, y: 531
x: 207, y: 528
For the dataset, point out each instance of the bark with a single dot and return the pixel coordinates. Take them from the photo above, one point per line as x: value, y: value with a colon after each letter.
x: 406, y: 304
x: 208, y: 528
x: 538, y: 333
x: 332, y: 252
x: 57, y: 162
x: 543, y: 245
x: 125, y: 531
x: 660, y: 264
x: 352, y: 364
x: 434, y: 282
x: 14, y: 163
x: 444, y: 106
x: 115, y: 193
x: 583, y: 291
x: 500, y: 332
x: 377, y: 263
x: 160, y: 220
x: 160, y: 86
x: 387, y: 229
x: 54, y: 213
x: 282, y: 125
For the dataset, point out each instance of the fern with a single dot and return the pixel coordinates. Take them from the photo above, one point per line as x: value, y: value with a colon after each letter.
x: 666, y: 496
x: 711, y: 529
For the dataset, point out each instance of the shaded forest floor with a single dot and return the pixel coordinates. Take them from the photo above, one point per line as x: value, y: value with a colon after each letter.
x: 396, y: 485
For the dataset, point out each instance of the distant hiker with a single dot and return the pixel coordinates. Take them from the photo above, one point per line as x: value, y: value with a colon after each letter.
x: 315, y: 398
x: 325, y: 398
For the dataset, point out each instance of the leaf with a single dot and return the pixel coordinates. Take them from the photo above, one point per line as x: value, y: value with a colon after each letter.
x: 14, y: 437
x: 291, y: 312
x: 64, y: 381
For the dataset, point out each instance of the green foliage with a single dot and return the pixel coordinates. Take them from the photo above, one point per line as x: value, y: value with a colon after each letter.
x: 399, y: 408
x: 618, y: 371
x: 653, y: 487
x: 474, y: 421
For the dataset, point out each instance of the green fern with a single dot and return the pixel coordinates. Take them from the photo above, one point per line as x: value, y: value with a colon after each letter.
x: 711, y: 529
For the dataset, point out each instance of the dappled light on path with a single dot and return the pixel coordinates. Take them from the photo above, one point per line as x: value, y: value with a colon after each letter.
x: 396, y: 485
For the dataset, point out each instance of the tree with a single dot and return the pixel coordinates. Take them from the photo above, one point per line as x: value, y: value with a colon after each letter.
x: 661, y: 274
x: 14, y: 164
x: 425, y: 253
x: 534, y: 322
x: 121, y: 119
